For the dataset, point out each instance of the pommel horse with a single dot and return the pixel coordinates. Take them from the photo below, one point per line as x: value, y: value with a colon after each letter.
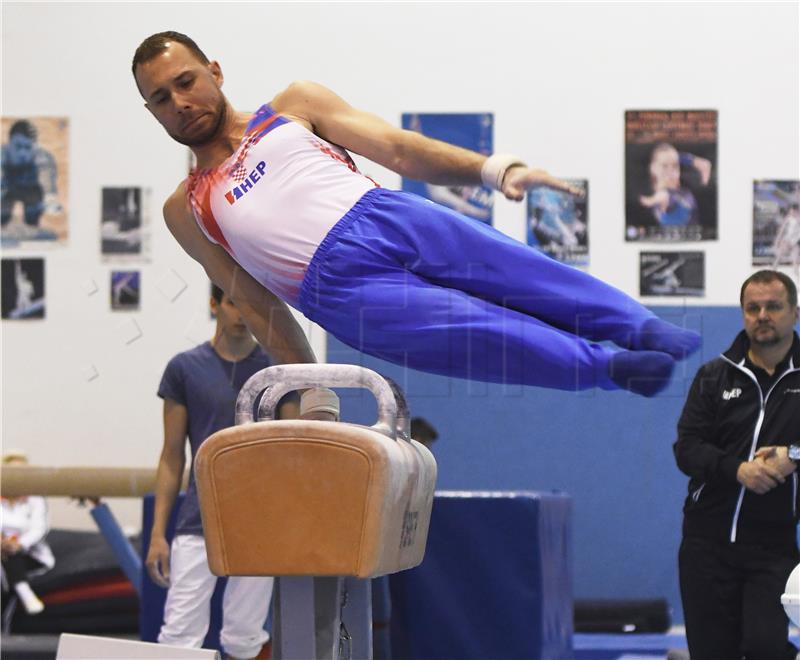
x: 323, y: 505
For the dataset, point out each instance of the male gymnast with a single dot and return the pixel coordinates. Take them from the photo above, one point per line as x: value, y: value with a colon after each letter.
x: 277, y: 213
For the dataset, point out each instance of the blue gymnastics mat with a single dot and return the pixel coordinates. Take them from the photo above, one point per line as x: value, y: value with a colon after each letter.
x: 597, y: 646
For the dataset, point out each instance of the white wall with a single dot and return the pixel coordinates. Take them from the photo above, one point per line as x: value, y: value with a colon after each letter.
x: 557, y: 77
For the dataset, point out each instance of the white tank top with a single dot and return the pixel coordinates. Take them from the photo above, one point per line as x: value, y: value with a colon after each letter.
x: 273, y: 201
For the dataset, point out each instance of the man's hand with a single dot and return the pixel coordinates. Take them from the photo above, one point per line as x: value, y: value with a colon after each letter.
x: 759, y: 477
x: 157, y: 561
x: 777, y: 457
x: 519, y: 179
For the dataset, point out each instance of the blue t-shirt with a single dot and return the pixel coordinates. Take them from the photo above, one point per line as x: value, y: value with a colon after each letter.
x: 207, y: 385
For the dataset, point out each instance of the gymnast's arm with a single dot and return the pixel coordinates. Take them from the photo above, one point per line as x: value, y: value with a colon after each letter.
x: 267, y: 316
x: 408, y: 153
x: 168, y: 482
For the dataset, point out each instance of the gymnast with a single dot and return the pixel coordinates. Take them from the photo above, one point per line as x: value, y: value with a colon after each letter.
x: 277, y: 213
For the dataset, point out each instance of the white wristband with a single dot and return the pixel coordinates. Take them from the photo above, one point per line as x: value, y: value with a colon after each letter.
x: 494, y: 169
x: 319, y: 400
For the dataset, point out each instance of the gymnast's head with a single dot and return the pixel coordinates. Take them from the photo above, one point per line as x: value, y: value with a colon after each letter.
x: 664, y: 168
x: 181, y: 87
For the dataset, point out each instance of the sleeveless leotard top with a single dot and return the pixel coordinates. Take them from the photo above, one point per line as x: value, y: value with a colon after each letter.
x: 273, y: 201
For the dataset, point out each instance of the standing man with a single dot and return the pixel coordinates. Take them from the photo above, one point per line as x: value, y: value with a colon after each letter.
x: 199, y: 388
x: 738, y: 440
x: 278, y: 205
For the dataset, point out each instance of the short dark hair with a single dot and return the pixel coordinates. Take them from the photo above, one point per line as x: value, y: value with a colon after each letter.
x: 421, y: 427
x: 216, y: 293
x: 157, y: 43
x: 23, y: 127
x: 767, y: 276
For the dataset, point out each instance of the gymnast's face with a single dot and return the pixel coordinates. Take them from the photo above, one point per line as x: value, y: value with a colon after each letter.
x: 20, y: 149
x: 184, y: 95
x: 665, y: 169
x: 229, y: 318
x: 769, y: 317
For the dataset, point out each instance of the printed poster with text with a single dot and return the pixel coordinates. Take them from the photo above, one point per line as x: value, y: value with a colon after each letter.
x: 671, y: 175
x: 471, y: 131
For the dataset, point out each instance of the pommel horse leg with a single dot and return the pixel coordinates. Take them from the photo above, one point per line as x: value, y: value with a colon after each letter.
x: 322, y: 617
x: 323, y: 506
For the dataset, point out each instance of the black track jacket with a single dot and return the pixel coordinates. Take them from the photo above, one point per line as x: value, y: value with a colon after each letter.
x: 726, y: 418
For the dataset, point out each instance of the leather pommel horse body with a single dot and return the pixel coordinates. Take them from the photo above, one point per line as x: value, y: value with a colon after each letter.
x: 315, y: 498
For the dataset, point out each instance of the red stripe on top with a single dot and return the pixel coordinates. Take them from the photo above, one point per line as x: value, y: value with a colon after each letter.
x: 203, y: 204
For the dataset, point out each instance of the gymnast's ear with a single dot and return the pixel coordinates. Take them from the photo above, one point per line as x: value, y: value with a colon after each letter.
x: 216, y: 72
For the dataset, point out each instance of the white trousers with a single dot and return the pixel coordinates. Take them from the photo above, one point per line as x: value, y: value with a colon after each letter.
x: 187, y: 611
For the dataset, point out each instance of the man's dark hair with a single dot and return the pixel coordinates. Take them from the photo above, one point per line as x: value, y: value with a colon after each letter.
x: 157, y: 43
x: 422, y: 428
x: 23, y: 127
x: 767, y: 276
x: 216, y: 293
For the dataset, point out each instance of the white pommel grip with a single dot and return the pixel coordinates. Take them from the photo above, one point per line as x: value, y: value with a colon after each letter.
x: 319, y: 402
x: 495, y: 167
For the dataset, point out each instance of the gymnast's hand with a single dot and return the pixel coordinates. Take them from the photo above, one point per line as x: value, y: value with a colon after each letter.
x: 319, y: 403
x: 157, y: 561
x: 520, y: 178
x: 659, y: 199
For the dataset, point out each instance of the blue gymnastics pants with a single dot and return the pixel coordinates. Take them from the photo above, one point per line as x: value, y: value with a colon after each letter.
x: 419, y: 285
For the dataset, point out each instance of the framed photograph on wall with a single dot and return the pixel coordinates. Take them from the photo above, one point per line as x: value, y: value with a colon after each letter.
x: 23, y: 288
x: 664, y: 274
x: 125, y: 290
x: 776, y: 224
x: 671, y: 175
x: 558, y: 223
x: 35, y: 195
x: 124, y: 224
x: 471, y: 131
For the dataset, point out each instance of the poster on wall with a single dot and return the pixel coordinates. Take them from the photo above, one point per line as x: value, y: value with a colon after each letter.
x: 125, y: 290
x: 23, y: 288
x: 776, y: 224
x: 671, y: 175
x: 672, y: 274
x: 469, y: 130
x: 124, y: 223
x: 35, y: 181
x: 558, y: 223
